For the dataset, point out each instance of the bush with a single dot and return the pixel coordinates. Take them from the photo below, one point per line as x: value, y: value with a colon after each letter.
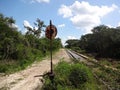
x: 3, y: 68
x: 70, y: 77
x: 9, y: 66
x: 79, y: 75
x: 20, y: 48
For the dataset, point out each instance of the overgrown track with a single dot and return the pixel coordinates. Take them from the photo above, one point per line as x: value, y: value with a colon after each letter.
x: 110, y: 74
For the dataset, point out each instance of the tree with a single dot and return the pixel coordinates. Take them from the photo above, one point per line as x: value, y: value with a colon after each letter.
x: 8, y: 37
x: 36, y: 31
x: 103, y: 42
x: 23, y: 49
x: 72, y: 43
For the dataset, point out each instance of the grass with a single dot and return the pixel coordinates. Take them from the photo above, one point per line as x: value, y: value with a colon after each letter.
x: 110, y: 76
x: 71, y: 77
x: 11, y: 66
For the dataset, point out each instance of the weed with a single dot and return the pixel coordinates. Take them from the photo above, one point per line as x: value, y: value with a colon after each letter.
x: 70, y: 77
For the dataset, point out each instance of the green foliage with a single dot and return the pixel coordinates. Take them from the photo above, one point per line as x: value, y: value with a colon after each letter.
x: 57, y: 44
x: 79, y: 75
x: 21, y: 49
x: 118, y: 67
x: 103, y: 42
x: 72, y: 43
x: 36, y: 32
x: 71, y: 77
x: 9, y: 66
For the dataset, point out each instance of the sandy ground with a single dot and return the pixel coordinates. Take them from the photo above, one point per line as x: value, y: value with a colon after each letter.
x: 25, y: 80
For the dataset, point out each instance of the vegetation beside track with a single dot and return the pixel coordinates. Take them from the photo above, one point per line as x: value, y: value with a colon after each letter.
x: 108, y: 76
x: 102, y: 44
x: 71, y: 77
x: 17, y: 50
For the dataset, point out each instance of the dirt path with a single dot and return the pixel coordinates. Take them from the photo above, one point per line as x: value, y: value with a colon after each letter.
x: 25, y: 80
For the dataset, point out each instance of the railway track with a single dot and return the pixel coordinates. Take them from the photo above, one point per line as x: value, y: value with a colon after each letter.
x: 106, y: 71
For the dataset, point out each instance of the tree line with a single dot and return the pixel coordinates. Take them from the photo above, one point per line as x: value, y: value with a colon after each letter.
x: 102, y: 42
x: 22, y: 48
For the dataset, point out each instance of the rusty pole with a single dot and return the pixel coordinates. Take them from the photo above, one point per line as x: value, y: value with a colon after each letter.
x: 50, y: 33
x: 51, y: 46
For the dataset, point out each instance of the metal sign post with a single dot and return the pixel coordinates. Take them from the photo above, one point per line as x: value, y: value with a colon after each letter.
x: 51, y: 32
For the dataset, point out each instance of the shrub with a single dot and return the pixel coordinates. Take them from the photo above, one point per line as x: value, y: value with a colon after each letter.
x: 3, y: 68
x: 70, y: 77
x: 79, y: 75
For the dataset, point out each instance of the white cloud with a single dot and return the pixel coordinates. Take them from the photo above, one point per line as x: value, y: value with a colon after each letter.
x: 110, y: 26
x: 65, y: 11
x: 85, y: 21
x: 36, y: 1
x: 40, y: 1
x: 71, y: 37
x: 119, y: 24
x: 64, y: 39
x: 14, y: 26
x: 61, y: 25
x: 27, y: 24
x: 85, y: 16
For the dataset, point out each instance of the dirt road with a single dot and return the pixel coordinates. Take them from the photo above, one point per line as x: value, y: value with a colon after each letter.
x: 25, y: 80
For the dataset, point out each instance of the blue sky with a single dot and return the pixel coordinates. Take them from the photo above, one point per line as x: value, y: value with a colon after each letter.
x: 72, y: 18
